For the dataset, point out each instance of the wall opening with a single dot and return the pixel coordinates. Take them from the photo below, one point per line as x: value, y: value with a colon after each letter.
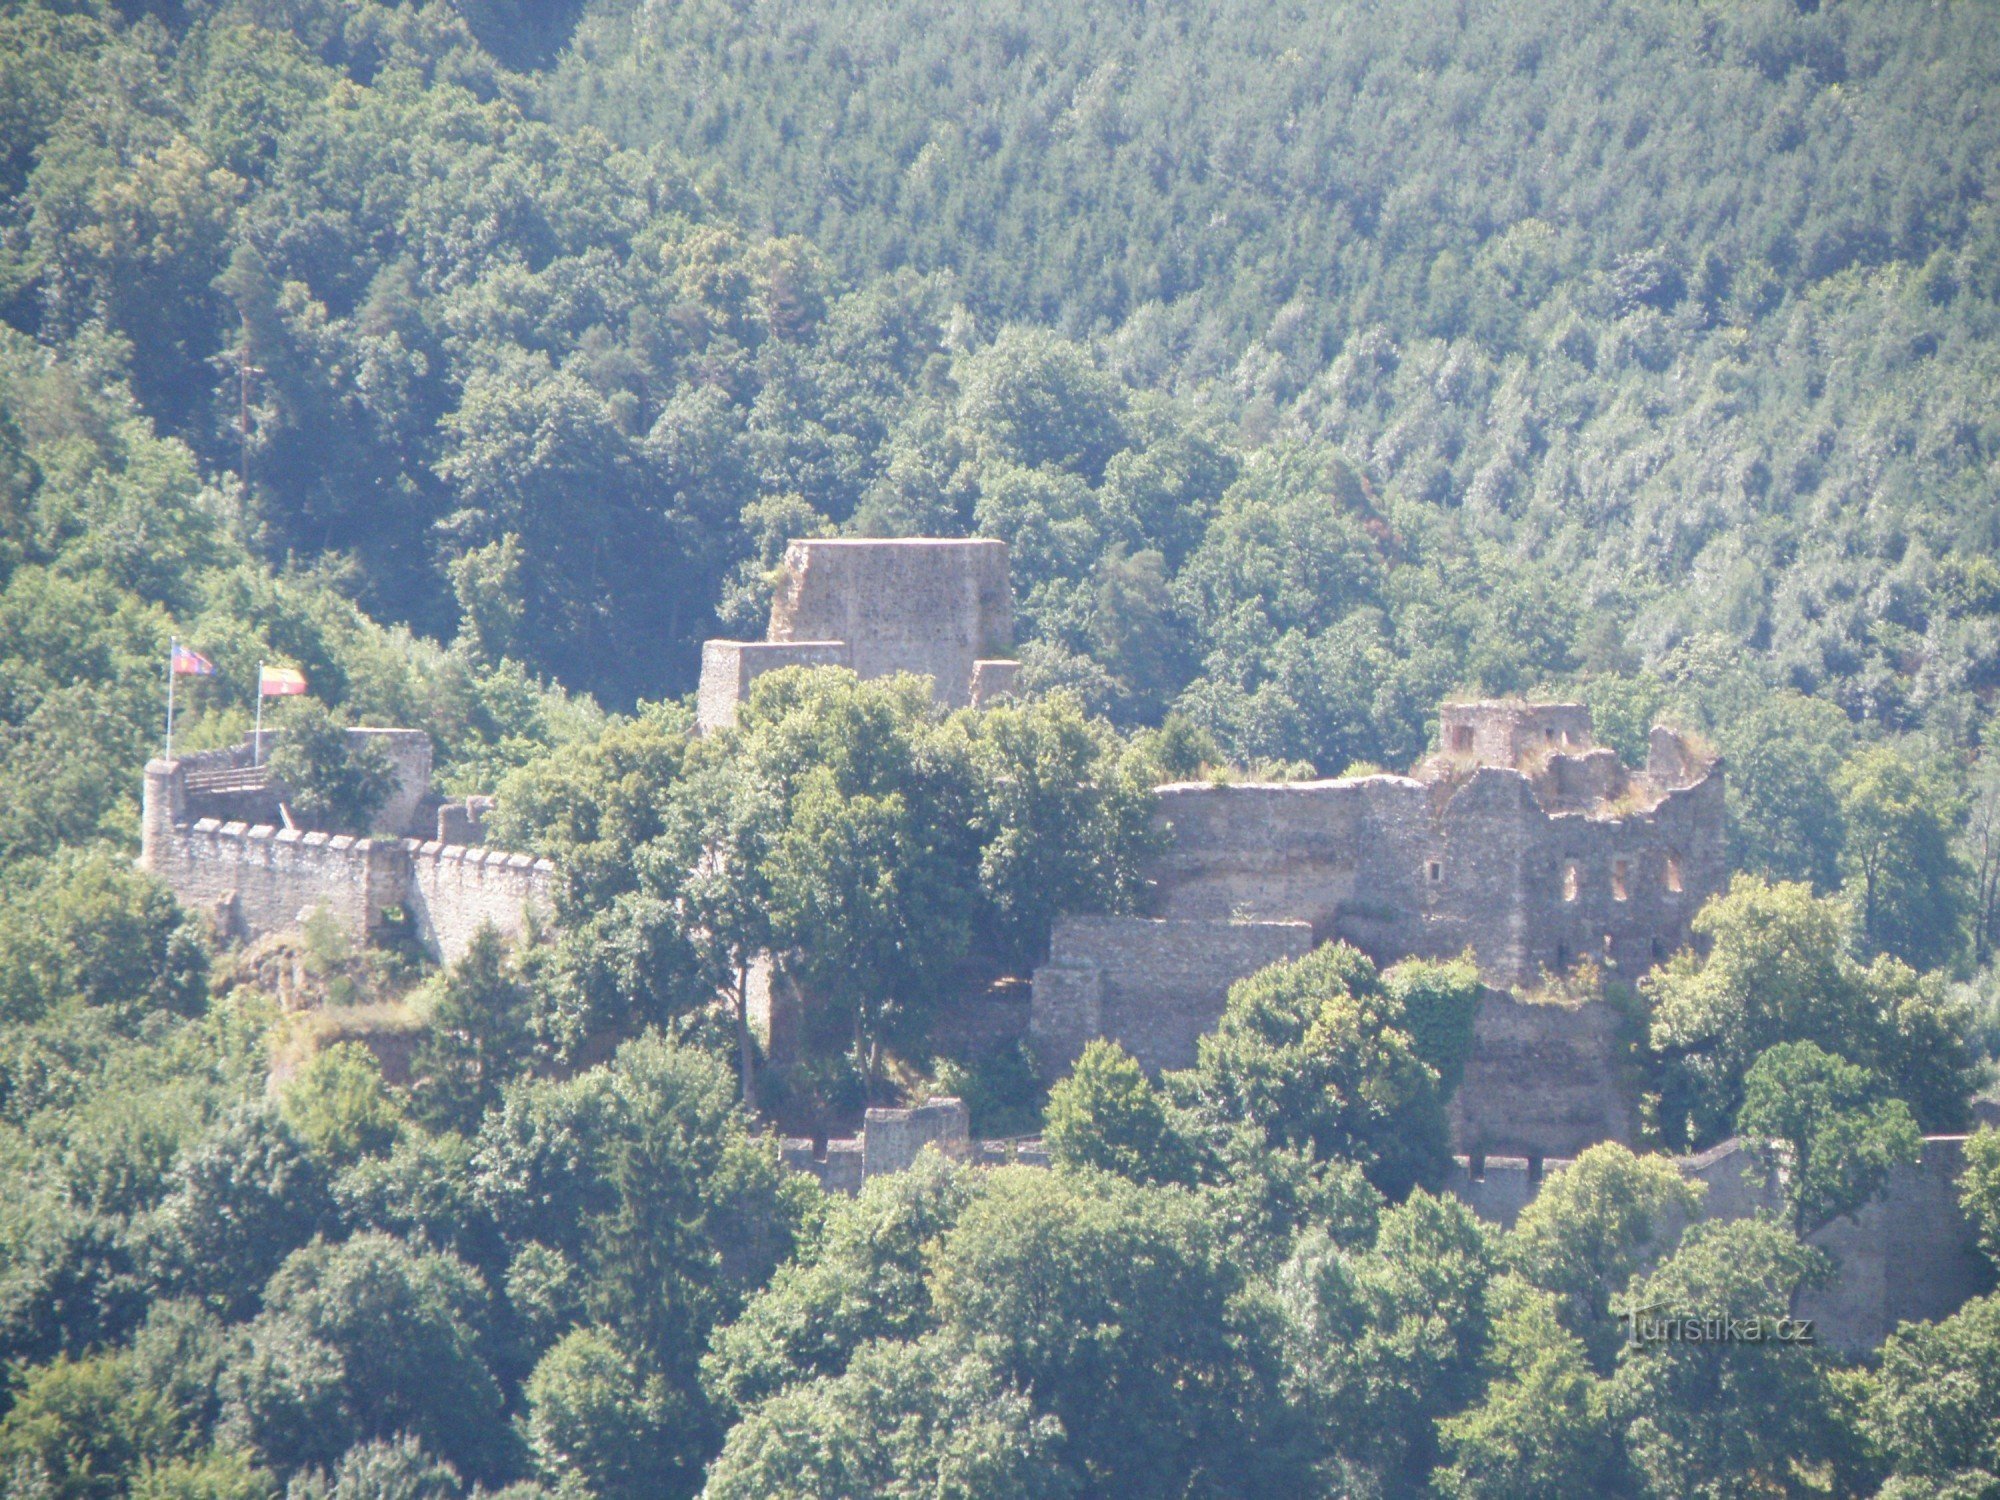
x: 1621, y: 889
x: 1434, y: 870
x: 1534, y: 1169
x: 1572, y: 880
x: 1674, y: 872
x: 1562, y: 958
x: 1659, y: 951
x: 1477, y: 1166
x: 1461, y: 738
x: 1607, y: 947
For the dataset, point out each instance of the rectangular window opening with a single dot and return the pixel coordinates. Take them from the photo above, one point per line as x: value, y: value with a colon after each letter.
x: 1434, y: 871
x: 1572, y: 880
x: 1620, y: 888
x: 1673, y: 873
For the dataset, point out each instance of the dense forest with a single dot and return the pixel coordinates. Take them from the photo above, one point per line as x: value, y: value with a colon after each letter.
x: 480, y: 359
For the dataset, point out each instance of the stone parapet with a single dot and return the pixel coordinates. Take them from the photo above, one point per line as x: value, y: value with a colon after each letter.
x: 257, y: 878
x: 453, y: 890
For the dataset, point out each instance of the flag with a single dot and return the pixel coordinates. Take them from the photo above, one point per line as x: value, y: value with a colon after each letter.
x: 188, y: 663
x: 280, y: 682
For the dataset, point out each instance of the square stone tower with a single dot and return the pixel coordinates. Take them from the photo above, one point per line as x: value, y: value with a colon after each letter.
x: 936, y: 606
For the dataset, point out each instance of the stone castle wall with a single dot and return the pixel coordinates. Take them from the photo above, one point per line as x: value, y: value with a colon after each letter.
x: 452, y: 891
x: 729, y: 667
x: 254, y: 879
x: 1542, y: 1080
x: 1526, y: 846
x: 1909, y: 1254
x: 1405, y: 868
x: 927, y: 605
x: 260, y: 879
x: 890, y: 1141
x: 1157, y: 986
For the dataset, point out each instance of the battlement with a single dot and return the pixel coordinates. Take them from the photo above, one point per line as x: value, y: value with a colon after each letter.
x: 939, y: 607
x: 253, y: 878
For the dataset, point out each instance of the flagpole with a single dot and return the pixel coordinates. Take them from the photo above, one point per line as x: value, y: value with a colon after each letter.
x: 257, y: 740
x: 173, y: 648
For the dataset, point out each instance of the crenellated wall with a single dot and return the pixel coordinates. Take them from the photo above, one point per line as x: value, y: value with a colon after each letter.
x: 253, y: 879
x: 262, y: 879
x: 453, y: 891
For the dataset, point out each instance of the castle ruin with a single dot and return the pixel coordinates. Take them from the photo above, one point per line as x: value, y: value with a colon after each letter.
x: 215, y: 828
x: 941, y: 608
x: 1520, y: 841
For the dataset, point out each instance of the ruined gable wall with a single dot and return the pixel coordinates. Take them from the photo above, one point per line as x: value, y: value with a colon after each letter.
x: 931, y: 606
x: 1603, y: 888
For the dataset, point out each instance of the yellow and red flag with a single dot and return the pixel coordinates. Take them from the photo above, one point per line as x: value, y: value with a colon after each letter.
x: 280, y: 682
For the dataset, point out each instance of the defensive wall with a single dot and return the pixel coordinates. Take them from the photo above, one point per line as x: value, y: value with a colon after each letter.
x: 1520, y: 842
x: 252, y: 872
x: 1543, y: 1079
x: 939, y: 607
x: 1907, y: 1255
x: 890, y: 1140
x: 1155, y: 985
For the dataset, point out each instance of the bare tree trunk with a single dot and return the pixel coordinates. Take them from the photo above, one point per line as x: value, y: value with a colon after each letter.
x: 745, y: 1053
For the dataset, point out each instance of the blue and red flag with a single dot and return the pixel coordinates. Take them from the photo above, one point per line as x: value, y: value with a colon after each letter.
x: 188, y: 663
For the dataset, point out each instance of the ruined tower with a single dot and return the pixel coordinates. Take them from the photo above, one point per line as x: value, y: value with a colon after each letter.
x: 938, y: 607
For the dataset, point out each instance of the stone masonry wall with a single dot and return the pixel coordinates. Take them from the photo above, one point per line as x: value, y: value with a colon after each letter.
x: 1908, y: 1255
x: 890, y: 1141
x: 1543, y: 1080
x: 453, y: 891
x: 926, y: 605
x: 1505, y: 732
x: 1155, y: 986
x: 254, y: 879
x: 1406, y: 868
x: 262, y: 879
x: 729, y: 667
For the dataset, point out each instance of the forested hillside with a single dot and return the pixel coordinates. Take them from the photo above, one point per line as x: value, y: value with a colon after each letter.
x: 1317, y: 363
x: 1691, y: 305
